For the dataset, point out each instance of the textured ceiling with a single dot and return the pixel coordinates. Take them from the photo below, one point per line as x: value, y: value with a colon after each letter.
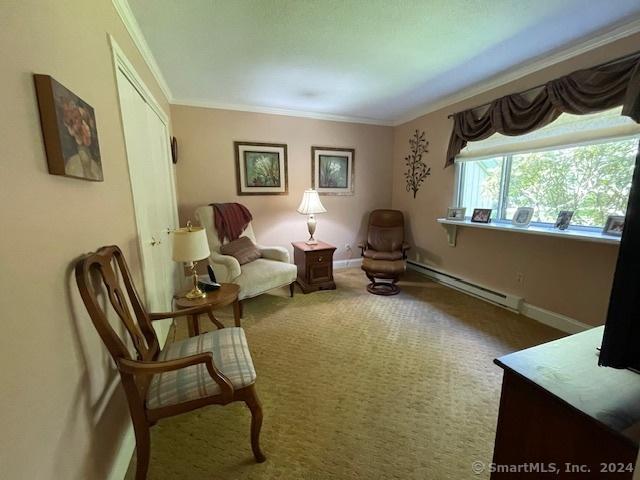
x: 371, y: 59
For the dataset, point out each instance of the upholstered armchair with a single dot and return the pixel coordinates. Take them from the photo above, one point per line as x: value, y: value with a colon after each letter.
x: 384, y: 251
x: 271, y: 271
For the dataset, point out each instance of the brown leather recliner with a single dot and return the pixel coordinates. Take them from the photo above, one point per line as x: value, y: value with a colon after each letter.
x: 384, y: 251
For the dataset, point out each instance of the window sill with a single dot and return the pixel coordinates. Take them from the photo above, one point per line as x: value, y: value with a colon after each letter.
x: 451, y: 226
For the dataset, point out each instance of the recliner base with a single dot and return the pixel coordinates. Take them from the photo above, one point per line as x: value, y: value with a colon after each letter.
x: 383, y: 288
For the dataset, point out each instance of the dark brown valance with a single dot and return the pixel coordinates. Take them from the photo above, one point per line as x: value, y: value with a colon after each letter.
x: 585, y: 91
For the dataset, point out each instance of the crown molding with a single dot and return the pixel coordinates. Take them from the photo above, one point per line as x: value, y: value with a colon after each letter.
x: 280, y: 111
x: 132, y: 26
x: 602, y: 38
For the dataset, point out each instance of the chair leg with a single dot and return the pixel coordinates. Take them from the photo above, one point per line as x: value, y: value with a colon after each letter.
x: 143, y: 450
x: 291, y: 288
x: 255, y: 407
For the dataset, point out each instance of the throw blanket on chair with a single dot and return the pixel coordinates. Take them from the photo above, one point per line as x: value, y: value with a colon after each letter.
x: 230, y: 220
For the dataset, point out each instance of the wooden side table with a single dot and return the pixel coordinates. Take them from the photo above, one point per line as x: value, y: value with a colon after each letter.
x: 227, y: 294
x: 315, y: 266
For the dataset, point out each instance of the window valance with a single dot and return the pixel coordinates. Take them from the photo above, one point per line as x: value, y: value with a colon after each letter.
x: 582, y: 92
x: 567, y: 130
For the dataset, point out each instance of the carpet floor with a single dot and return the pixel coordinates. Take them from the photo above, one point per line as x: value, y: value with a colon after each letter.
x: 356, y: 386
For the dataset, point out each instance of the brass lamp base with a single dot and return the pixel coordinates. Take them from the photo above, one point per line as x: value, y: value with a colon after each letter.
x: 195, y: 293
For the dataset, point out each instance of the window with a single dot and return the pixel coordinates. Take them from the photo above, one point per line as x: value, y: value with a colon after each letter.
x: 591, y: 179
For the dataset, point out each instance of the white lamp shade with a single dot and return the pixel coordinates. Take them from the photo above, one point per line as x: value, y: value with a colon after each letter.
x: 310, y: 203
x: 190, y: 244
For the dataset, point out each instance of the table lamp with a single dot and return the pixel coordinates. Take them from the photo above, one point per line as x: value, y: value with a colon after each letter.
x: 190, y: 245
x: 310, y: 205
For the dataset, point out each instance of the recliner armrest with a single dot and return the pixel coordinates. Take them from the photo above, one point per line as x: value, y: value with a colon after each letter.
x: 279, y: 254
x: 229, y: 265
x: 405, y: 247
x: 362, y: 246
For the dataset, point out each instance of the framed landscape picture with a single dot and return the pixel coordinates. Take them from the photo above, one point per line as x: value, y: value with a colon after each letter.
x: 332, y: 170
x: 69, y: 131
x: 261, y: 168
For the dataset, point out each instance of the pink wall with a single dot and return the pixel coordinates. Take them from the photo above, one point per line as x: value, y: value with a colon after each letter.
x: 63, y: 412
x: 565, y: 276
x: 206, y: 171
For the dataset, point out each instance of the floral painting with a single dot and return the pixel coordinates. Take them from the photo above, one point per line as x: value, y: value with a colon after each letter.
x: 69, y: 131
x: 332, y: 170
x: 261, y: 168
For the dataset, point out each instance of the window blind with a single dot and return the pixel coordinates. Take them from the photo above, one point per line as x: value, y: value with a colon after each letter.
x: 567, y: 130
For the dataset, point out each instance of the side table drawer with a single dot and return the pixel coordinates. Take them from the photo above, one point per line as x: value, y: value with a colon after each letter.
x: 314, y: 258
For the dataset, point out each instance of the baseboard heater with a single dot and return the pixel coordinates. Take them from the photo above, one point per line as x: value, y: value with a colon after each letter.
x: 510, y: 302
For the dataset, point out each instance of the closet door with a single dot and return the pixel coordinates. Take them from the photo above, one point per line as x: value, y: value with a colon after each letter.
x: 147, y: 144
x: 165, y: 206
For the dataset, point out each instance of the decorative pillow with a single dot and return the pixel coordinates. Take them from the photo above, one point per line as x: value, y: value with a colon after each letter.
x: 243, y: 249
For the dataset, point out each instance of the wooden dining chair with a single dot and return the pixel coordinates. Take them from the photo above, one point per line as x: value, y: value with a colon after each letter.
x: 212, y: 368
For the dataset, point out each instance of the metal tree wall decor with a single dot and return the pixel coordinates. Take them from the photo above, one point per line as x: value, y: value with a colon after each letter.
x: 417, y: 170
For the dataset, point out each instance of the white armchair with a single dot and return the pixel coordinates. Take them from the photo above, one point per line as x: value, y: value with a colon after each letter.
x: 271, y: 271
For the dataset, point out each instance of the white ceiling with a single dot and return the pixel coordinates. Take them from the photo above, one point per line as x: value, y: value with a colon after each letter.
x: 380, y: 61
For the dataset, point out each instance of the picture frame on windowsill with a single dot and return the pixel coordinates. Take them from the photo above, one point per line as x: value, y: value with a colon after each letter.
x: 614, y: 225
x: 564, y: 219
x: 456, y: 214
x: 481, y: 215
x: 522, y: 217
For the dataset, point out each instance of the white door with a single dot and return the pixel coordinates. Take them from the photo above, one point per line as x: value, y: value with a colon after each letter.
x: 148, y: 154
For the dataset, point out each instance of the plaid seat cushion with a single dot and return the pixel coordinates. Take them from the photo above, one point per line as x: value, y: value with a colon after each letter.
x: 230, y: 356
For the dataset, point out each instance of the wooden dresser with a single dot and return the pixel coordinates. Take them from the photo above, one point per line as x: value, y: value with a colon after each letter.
x: 563, y: 413
x: 315, y: 266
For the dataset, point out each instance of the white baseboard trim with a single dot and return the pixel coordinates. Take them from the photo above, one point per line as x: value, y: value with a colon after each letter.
x: 125, y: 453
x: 553, y: 319
x: 509, y: 302
x: 128, y: 442
x: 352, y: 262
x: 547, y: 317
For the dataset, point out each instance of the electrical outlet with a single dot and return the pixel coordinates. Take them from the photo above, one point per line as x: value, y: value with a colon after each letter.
x: 520, y: 278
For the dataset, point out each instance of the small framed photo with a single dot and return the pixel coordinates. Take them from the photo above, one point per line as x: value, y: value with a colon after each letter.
x: 456, y: 214
x: 261, y: 168
x: 564, y: 219
x: 332, y: 170
x: 522, y: 217
x: 481, y: 215
x: 614, y: 225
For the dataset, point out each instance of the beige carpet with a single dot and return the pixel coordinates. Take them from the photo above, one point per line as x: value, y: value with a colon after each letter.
x: 356, y: 386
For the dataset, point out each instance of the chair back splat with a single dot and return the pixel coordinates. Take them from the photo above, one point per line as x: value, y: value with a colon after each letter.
x: 107, y: 265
